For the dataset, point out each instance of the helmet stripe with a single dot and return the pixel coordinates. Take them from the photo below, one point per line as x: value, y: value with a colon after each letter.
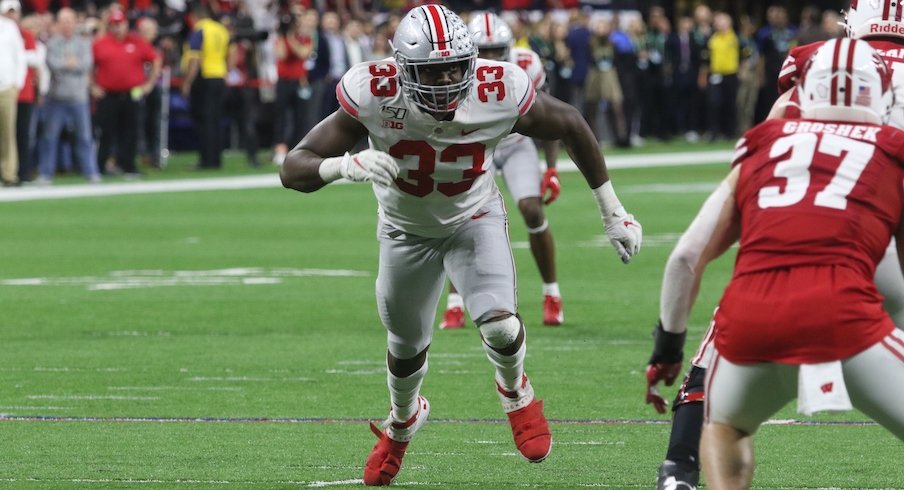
x: 436, y: 20
x: 886, y: 9
x: 849, y: 69
x: 898, y: 12
x: 486, y: 22
x: 835, y: 55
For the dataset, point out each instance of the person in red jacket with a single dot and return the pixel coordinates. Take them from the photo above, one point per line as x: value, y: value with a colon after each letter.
x: 27, y: 94
x: 119, y: 84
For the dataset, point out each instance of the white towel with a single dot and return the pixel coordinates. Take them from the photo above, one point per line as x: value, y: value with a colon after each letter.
x: 820, y: 387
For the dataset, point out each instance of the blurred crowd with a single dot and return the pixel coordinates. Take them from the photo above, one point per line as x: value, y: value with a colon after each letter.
x: 103, y: 83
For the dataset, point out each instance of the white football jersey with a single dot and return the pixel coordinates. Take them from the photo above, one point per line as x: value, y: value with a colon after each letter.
x: 530, y: 62
x: 443, y: 177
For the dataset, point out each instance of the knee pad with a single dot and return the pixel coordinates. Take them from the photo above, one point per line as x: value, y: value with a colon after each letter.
x: 500, y: 334
x: 691, y: 388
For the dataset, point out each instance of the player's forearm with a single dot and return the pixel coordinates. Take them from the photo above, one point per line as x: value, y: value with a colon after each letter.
x: 551, y: 152
x: 683, y: 270
x: 584, y: 150
x: 301, y: 171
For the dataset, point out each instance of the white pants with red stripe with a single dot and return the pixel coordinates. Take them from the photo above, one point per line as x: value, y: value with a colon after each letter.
x: 746, y: 395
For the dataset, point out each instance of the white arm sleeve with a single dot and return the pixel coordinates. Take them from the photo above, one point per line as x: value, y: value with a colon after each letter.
x: 679, y: 284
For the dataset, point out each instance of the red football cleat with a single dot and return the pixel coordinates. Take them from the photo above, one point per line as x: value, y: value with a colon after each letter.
x: 552, y: 311
x: 529, y: 425
x: 531, y: 432
x: 385, y: 458
x: 453, y: 318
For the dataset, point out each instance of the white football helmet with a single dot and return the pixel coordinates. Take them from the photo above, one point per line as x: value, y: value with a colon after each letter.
x: 846, y: 80
x: 875, y: 18
x: 428, y: 36
x: 490, y: 32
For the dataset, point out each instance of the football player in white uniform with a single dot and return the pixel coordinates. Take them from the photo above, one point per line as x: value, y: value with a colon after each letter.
x: 878, y: 22
x: 433, y: 115
x: 516, y: 158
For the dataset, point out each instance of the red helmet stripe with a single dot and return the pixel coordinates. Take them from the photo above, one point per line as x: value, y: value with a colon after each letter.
x: 898, y: 12
x: 835, y: 55
x: 886, y: 9
x: 849, y: 69
x: 486, y: 22
x: 436, y: 19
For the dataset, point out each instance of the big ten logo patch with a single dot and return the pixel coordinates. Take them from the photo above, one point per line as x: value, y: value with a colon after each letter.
x: 393, y: 117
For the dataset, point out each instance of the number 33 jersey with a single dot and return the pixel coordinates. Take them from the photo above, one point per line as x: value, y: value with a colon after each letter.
x: 445, y: 167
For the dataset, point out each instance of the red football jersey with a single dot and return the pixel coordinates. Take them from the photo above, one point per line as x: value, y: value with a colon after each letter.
x: 819, y: 202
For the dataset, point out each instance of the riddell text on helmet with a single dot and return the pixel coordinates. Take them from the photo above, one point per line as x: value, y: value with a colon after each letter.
x: 886, y: 28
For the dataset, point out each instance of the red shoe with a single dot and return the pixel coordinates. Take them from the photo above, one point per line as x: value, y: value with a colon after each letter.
x: 385, y: 458
x: 552, y: 311
x: 529, y: 425
x: 453, y: 318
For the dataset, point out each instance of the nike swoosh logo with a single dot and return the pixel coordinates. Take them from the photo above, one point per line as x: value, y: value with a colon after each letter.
x: 480, y: 215
x: 465, y: 133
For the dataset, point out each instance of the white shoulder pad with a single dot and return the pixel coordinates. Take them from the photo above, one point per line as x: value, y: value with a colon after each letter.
x: 530, y: 62
x: 365, y: 84
x: 501, y: 88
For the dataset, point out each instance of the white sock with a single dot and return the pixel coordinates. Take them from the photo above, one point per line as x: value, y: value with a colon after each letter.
x: 454, y: 301
x: 509, y: 369
x: 403, y: 393
x: 551, y: 289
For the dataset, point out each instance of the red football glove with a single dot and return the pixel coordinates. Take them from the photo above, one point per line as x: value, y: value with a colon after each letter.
x: 656, y: 373
x: 550, y: 183
x: 664, y: 364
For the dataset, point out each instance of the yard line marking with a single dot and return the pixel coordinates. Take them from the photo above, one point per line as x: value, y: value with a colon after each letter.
x: 245, y: 378
x: 34, y: 193
x: 154, y: 481
x: 152, y: 278
x: 356, y: 420
x: 93, y: 397
x: 318, y: 484
x: 672, y: 188
x: 174, y: 388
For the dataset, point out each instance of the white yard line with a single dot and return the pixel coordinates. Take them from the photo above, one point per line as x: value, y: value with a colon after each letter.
x: 34, y: 193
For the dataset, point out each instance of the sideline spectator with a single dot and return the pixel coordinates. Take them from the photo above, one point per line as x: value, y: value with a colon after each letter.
x: 602, y: 84
x: 703, y: 28
x: 120, y: 84
x: 338, y: 55
x: 152, y: 104
x: 27, y: 95
x: 293, y: 94
x: 774, y: 41
x: 722, y: 73
x: 747, y: 76
x: 12, y: 77
x: 206, y: 85
x: 242, y: 94
x: 683, y: 61
x: 69, y: 60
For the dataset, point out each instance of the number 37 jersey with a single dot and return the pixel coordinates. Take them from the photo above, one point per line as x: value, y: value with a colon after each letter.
x: 445, y: 167
x: 818, y: 193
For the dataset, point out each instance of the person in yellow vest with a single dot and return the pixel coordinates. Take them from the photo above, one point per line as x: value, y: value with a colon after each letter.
x: 722, y: 74
x: 205, y: 86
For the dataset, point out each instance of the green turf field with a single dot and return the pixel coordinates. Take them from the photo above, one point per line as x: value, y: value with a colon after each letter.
x: 229, y: 339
